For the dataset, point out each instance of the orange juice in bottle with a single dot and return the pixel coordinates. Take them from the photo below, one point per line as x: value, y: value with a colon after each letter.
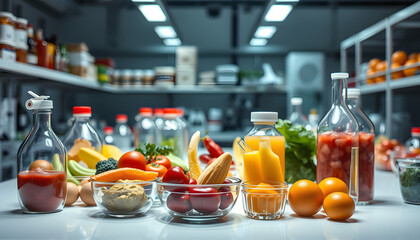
x: 264, y: 127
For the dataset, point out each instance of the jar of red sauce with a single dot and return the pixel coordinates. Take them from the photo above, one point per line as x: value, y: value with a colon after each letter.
x: 42, y: 182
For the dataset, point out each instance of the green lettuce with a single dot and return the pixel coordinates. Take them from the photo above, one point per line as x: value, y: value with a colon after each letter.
x: 300, y: 151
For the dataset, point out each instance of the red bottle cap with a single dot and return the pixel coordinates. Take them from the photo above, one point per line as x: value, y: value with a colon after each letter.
x: 121, y: 118
x: 170, y: 111
x: 146, y: 111
x: 108, y: 130
x: 158, y: 111
x: 415, y: 130
x: 82, y: 111
x: 180, y: 112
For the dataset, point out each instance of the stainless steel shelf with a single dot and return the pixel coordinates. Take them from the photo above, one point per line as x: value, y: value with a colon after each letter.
x: 30, y: 73
x: 407, y: 82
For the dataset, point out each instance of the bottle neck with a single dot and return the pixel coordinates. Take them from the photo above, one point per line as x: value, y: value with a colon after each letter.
x: 263, y: 124
x: 297, y: 109
x: 42, y: 119
x: 338, y: 85
x: 353, y: 102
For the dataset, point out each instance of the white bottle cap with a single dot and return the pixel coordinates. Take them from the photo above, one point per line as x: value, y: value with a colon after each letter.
x: 264, y: 116
x: 353, y: 93
x: 296, y: 101
x: 339, y: 75
x: 38, y: 102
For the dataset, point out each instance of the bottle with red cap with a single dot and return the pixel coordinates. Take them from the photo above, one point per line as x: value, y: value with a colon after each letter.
x: 123, y: 137
x: 158, y: 117
x: 145, y: 130
x: 172, y: 133
x: 413, y: 144
x: 184, y: 125
x: 81, y: 129
x: 108, y: 135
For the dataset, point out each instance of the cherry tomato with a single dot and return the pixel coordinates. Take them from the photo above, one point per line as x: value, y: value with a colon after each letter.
x: 132, y: 159
x: 214, y: 149
x: 179, y: 202
x: 205, y: 158
x: 162, y: 160
x: 305, y: 198
x: 160, y: 169
x: 386, y: 144
x: 339, y: 206
x: 226, y: 197
x: 204, y: 199
x: 176, y: 175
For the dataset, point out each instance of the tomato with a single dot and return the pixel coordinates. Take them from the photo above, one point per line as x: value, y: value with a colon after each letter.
x: 205, y: 158
x: 176, y: 175
x: 162, y: 160
x: 132, y: 159
x: 205, y: 199
x: 179, y: 202
x: 193, y: 181
x: 214, y: 149
x: 387, y: 145
x: 160, y: 169
x: 339, y: 206
x: 305, y: 198
x: 226, y: 197
x: 332, y: 184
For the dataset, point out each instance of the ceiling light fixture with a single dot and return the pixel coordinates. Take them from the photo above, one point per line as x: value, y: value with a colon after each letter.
x: 265, y: 31
x: 258, y: 42
x: 165, y: 31
x: 287, y: 0
x: 277, y: 13
x: 143, y: 1
x: 153, y: 13
x: 172, y: 42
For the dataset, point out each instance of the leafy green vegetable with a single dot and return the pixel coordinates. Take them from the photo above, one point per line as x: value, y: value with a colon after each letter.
x: 150, y: 151
x: 410, y: 184
x: 300, y: 151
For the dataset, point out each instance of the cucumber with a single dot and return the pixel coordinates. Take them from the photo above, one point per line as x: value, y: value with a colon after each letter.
x: 177, y: 161
x: 70, y: 178
x: 56, y: 163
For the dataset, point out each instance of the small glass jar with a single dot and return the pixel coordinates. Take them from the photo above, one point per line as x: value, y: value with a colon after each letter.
x: 116, y: 77
x: 126, y: 77
x: 7, y: 50
x: 148, y: 77
x: 7, y: 27
x: 165, y: 76
x: 138, y: 75
x: 21, y: 39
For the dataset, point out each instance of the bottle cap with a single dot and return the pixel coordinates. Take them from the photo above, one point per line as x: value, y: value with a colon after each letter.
x: 158, y: 112
x: 121, y: 118
x: 146, y: 111
x: 415, y: 130
x: 296, y: 101
x: 339, y: 75
x: 180, y: 112
x: 264, y: 116
x: 313, y: 112
x: 82, y: 111
x: 170, y: 111
x: 108, y: 130
x: 353, y: 93
x: 38, y: 102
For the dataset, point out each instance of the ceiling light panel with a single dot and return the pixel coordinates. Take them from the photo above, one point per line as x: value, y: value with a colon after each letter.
x: 258, y: 42
x: 140, y: 1
x: 172, y: 42
x: 165, y: 32
x: 287, y: 1
x: 265, y: 31
x: 153, y: 13
x: 277, y: 13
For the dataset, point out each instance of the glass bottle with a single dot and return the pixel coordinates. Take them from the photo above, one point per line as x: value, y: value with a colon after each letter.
x: 41, y: 49
x: 413, y: 144
x: 31, y: 56
x: 184, y: 126
x: 42, y: 183
x: 81, y: 133
x: 313, y: 119
x: 158, y: 117
x: 264, y: 125
x: 123, y: 137
x: 145, y: 130
x: 108, y: 135
x: 366, y: 146
x: 338, y: 139
x: 172, y: 134
x: 297, y: 116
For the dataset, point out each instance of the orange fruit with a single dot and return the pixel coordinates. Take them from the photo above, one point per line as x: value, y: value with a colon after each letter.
x: 413, y: 56
x: 339, y: 206
x: 418, y: 57
x: 369, y: 73
x: 305, y: 198
x: 410, y: 71
x: 399, y: 57
x: 381, y: 67
x: 373, y: 62
x: 398, y: 74
x: 125, y: 174
x: 264, y: 199
x: 332, y: 184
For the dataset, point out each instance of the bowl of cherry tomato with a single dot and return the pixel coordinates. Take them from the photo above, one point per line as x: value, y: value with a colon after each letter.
x: 192, y: 202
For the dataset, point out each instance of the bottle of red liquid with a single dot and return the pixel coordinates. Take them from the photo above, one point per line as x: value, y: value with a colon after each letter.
x: 338, y: 139
x: 41, y: 49
x: 42, y: 182
x: 366, y: 146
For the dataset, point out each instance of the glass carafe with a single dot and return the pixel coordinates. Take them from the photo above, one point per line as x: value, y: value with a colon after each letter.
x: 145, y: 130
x: 366, y: 146
x: 338, y: 139
x: 264, y: 126
x: 42, y: 183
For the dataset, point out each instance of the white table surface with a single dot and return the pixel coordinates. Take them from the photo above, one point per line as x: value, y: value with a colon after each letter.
x: 387, y: 218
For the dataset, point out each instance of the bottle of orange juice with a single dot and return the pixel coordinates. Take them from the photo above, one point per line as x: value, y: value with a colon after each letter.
x: 264, y: 126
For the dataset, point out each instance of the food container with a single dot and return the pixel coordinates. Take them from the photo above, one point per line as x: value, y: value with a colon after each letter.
x: 21, y: 39
x: 124, y: 198
x: 409, y: 175
x: 164, y: 75
x: 264, y: 201
x: 148, y: 77
x: 227, y: 74
x: 199, y: 202
x: 186, y: 55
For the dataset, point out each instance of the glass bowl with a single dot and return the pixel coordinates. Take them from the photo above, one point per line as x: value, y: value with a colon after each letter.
x: 124, y: 199
x: 264, y: 201
x: 409, y: 175
x: 199, y: 202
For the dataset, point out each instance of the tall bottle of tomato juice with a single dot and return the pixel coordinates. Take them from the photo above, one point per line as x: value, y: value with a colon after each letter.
x: 366, y: 146
x: 338, y: 139
x: 264, y: 125
x: 42, y: 183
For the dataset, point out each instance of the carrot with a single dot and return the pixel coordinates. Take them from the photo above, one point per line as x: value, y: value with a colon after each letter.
x: 125, y: 174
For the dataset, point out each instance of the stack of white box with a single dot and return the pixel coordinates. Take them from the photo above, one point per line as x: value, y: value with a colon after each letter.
x: 186, y: 65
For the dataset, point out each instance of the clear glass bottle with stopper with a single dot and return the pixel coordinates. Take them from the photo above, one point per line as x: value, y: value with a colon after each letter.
x: 42, y: 183
x: 297, y: 116
x: 338, y: 140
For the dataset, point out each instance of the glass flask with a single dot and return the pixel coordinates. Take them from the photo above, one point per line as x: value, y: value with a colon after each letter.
x: 145, y: 130
x: 123, y: 137
x: 366, y: 146
x: 297, y: 116
x: 41, y: 178
x: 172, y: 133
x: 264, y: 125
x: 81, y: 133
x: 338, y: 139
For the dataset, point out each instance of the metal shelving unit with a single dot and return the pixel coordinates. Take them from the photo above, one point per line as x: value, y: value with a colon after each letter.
x: 32, y: 74
x: 396, y: 21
